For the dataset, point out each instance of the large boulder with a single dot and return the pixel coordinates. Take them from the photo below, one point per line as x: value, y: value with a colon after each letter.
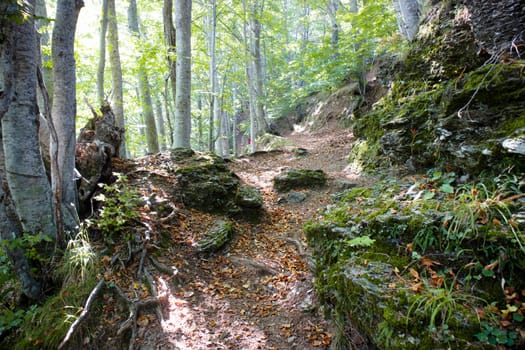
x: 299, y: 178
x: 205, y: 183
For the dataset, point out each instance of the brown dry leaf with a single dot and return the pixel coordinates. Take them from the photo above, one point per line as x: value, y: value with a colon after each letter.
x: 496, y: 222
x: 491, y: 267
x: 427, y: 262
x: 505, y: 323
x: 410, y: 247
x: 414, y: 274
x: 416, y: 287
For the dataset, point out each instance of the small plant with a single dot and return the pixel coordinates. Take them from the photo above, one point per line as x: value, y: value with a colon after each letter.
x: 438, y: 305
x: 78, y: 263
x: 119, y: 208
x: 496, y: 336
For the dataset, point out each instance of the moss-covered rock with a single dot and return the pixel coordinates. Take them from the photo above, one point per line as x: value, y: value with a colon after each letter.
x: 206, y: 183
x: 402, y: 262
x: 299, y: 178
x: 219, y: 235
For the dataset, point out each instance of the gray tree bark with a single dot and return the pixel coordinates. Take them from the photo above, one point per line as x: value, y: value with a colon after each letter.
x: 102, y: 53
x: 18, y: 101
x: 262, y: 125
x: 117, y: 101
x: 65, y: 108
x: 407, y: 14
x: 144, y: 87
x: 170, y: 39
x: 182, y: 127
x: 214, y: 102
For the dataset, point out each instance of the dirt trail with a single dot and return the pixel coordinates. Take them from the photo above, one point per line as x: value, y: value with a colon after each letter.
x: 258, y: 293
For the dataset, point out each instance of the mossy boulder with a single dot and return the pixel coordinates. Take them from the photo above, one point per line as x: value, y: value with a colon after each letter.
x: 299, y: 178
x: 205, y: 183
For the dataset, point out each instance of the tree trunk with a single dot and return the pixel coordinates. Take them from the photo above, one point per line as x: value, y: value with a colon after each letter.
x: 160, y: 125
x: 41, y: 26
x: 249, y: 82
x: 18, y: 64
x: 117, y: 104
x: 262, y: 126
x: 182, y: 127
x: 65, y: 108
x: 144, y: 87
x: 407, y: 14
x: 102, y: 53
x: 213, y: 77
x: 170, y: 39
x: 333, y: 6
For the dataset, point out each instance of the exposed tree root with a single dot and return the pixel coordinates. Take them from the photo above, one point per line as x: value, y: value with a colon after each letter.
x: 258, y: 266
x: 84, y: 313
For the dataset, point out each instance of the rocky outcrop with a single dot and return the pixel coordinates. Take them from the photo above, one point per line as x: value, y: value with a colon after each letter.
x: 446, y: 108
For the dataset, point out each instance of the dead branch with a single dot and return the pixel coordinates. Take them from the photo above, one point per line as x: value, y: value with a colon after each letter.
x: 84, y: 312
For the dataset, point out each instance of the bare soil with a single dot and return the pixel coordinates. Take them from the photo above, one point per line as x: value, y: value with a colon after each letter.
x: 255, y: 294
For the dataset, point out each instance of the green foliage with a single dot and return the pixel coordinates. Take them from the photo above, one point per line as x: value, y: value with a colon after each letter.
x: 495, y: 335
x: 119, y: 208
x: 30, y: 244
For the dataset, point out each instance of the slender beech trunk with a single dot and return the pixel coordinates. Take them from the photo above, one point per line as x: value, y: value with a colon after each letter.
x: 182, y: 127
x: 102, y: 53
x: 249, y: 81
x: 262, y: 126
x: 116, y: 74
x: 170, y: 40
x: 65, y: 108
x: 143, y: 82
x: 160, y: 124
x: 214, y: 105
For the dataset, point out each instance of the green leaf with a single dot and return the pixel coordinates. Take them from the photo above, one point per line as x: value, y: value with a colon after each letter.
x: 518, y: 317
x: 487, y: 273
x: 428, y: 195
x: 364, y: 241
x: 446, y: 188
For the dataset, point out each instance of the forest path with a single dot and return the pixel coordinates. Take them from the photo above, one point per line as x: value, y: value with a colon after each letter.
x: 258, y: 292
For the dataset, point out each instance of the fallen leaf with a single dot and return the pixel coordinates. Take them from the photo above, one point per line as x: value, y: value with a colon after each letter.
x: 414, y: 274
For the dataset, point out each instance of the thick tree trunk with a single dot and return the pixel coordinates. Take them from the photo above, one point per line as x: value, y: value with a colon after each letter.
x: 19, y: 51
x: 182, y: 127
x: 116, y: 75
x: 102, y: 53
x: 65, y: 107
x: 144, y: 87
